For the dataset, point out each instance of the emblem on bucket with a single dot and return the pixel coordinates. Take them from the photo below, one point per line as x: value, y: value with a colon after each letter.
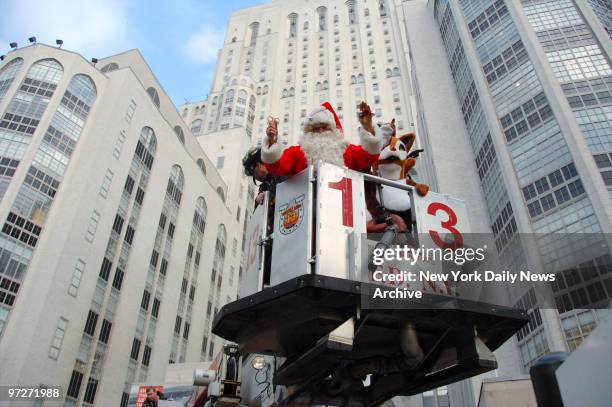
x: 291, y: 215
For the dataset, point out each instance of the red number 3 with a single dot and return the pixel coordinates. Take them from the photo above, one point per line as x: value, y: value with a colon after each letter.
x: 433, y: 209
x: 345, y: 185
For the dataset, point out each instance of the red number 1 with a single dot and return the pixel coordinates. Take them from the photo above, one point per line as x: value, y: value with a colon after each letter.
x: 345, y: 185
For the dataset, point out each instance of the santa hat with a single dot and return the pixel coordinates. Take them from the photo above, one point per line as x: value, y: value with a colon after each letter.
x: 323, y: 114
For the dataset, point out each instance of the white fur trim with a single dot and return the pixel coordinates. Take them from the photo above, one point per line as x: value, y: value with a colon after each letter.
x: 371, y: 143
x: 270, y: 155
x: 319, y: 115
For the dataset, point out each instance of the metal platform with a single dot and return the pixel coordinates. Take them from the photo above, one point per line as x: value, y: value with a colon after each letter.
x: 294, y: 318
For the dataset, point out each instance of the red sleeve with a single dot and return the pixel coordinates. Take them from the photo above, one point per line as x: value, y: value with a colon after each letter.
x: 288, y: 164
x: 356, y: 158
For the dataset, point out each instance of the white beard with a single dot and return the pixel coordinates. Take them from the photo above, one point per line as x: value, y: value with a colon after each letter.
x: 328, y: 147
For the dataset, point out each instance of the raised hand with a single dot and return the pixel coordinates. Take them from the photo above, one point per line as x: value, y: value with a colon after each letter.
x: 272, y: 130
x: 365, y: 117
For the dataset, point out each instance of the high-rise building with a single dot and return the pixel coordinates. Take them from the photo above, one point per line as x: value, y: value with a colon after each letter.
x: 526, y: 86
x: 283, y: 58
x: 511, y: 101
x: 117, y: 245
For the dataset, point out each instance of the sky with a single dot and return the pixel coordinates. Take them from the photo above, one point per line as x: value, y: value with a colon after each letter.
x: 178, y: 38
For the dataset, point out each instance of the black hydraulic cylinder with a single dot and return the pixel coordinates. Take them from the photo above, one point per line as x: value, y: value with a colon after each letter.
x: 544, y: 380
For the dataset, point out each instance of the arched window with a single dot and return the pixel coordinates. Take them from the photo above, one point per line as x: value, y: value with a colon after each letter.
x: 353, y: 80
x: 110, y: 67
x: 291, y: 91
x: 185, y: 111
x: 199, y: 217
x: 242, y: 97
x: 388, y: 73
x: 219, y: 258
x: 75, y: 106
x: 352, y: 11
x: 336, y: 19
x: 28, y: 106
x: 229, y: 97
x: 396, y: 71
x: 221, y: 194
x: 215, y: 99
x: 322, y: 11
x: 147, y: 146
x: 265, y: 89
x: 285, y: 93
x: 259, y: 90
x: 8, y: 73
x: 293, y: 24
x: 360, y: 78
x: 154, y: 96
x: 382, y: 8
x: 325, y: 85
x: 254, y: 31
x: 83, y: 88
x: 47, y: 70
x: 305, y: 25
x: 179, y: 133
x: 200, y: 163
x: 175, y: 184
x: 196, y: 127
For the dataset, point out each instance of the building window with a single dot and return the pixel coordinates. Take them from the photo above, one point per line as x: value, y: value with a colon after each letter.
x: 58, y: 338
x: 105, y: 331
x: 106, y: 182
x: 146, y: 355
x: 8, y: 73
x: 90, y: 323
x: 135, y: 349
x: 119, y: 144
x: 352, y: 11
x: 254, y: 30
x: 130, y: 111
x: 322, y: 11
x: 77, y: 274
x: 179, y: 133
x: 92, y: 227
x: 155, y: 308
x: 200, y: 164
x: 220, y: 161
x: 292, y: 24
x: 152, y: 92
x: 196, y: 127
x: 118, y: 279
x: 74, y: 386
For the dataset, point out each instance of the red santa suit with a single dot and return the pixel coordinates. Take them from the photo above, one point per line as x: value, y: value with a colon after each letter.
x: 328, y: 147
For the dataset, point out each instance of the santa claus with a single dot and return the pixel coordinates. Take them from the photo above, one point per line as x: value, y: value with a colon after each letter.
x: 323, y: 139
